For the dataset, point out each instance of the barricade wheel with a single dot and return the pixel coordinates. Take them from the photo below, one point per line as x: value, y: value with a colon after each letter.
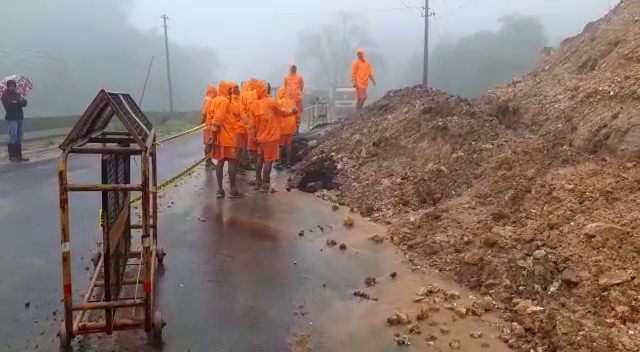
x: 160, y: 254
x: 157, y: 325
x: 65, y: 340
x: 95, y: 259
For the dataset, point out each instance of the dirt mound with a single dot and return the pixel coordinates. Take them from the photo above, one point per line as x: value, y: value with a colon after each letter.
x: 524, y: 217
x: 587, y: 88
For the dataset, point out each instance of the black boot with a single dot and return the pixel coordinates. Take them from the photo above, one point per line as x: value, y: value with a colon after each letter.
x: 11, y: 149
x: 19, y: 153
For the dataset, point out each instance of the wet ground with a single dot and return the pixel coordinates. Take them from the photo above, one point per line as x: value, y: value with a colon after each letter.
x: 238, y: 276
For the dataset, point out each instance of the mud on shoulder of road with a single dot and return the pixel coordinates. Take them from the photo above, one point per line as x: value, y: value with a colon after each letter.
x: 503, y: 202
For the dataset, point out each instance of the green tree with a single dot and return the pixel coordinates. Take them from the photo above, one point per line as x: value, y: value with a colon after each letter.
x: 473, y: 64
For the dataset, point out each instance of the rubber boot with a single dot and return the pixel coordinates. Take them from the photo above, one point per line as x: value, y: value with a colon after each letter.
x: 11, y: 149
x: 19, y: 153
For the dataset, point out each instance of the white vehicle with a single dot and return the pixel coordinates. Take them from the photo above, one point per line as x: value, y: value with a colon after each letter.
x: 344, y: 101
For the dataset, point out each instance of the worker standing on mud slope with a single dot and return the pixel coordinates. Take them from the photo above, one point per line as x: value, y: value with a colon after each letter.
x: 265, y: 128
x: 288, y: 126
x: 206, y: 132
x: 361, y: 73
x: 294, y: 85
x: 224, y: 138
x: 248, y: 98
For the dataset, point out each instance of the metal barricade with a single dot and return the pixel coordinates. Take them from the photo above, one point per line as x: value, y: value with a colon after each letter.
x: 111, y: 283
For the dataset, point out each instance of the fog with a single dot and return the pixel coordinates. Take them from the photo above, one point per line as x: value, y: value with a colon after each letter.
x: 73, y: 48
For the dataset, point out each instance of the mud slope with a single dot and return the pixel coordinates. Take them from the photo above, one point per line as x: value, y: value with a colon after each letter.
x: 540, y: 225
x: 587, y: 88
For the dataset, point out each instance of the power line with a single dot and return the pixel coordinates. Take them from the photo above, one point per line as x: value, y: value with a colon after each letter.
x: 410, y: 8
x: 458, y: 8
x: 358, y: 11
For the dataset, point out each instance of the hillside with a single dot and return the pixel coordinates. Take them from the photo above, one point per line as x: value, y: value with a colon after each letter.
x: 587, y: 88
x: 529, y: 196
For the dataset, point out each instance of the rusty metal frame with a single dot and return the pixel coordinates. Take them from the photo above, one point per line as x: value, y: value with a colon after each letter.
x: 105, y: 293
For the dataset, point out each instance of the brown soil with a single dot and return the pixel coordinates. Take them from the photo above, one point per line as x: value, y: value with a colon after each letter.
x: 529, y: 196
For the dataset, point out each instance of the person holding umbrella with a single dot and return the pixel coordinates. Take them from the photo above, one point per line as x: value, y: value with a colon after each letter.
x: 13, y: 104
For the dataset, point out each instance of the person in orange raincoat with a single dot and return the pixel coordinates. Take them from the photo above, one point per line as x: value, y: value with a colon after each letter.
x: 265, y: 128
x: 206, y: 133
x: 294, y: 84
x: 242, y: 125
x: 248, y: 98
x: 361, y: 73
x: 288, y: 125
x: 224, y: 138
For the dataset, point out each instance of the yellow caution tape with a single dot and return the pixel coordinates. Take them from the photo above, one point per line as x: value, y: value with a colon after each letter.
x: 184, y: 133
x: 175, y: 178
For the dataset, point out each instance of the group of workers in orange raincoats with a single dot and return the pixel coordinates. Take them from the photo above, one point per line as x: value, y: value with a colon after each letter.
x: 243, y: 122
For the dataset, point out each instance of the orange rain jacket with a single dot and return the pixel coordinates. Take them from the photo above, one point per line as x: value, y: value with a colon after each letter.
x: 288, y: 124
x: 294, y: 84
x: 248, y: 97
x: 267, y: 114
x: 237, y: 110
x: 361, y: 72
x: 211, y: 94
x: 223, y: 123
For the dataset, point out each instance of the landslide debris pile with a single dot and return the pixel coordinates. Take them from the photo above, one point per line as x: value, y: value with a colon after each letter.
x: 530, y: 197
x: 587, y: 88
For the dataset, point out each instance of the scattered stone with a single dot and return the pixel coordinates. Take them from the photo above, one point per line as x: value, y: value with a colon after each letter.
x: 377, y: 239
x: 348, y: 221
x: 370, y: 281
x: 430, y: 338
x: 539, y: 254
x: 301, y: 233
x: 475, y: 334
x: 331, y: 242
x: 335, y: 207
x: 489, y: 241
x: 617, y: 277
x: 601, y: 229
x: 418, y: 299
x: 461, y: 311
x: 454, y: 344
x: 445, y: 330
x: 403, y: 341
x: 452, y: 295
x: 570, y: 277
x: 506, y: 335
x: 393, y: 274
x: 288, y: 188
x: 399, y: 318
x: 27, y: 304
x: 485, y: 344
x: 343, y: 247
x: 518, y: 330
x: 363, y: 295
x: 423, y: 314
x: 415, y: 329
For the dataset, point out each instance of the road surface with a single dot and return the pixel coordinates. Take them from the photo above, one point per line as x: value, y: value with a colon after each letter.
x: 238, y: 276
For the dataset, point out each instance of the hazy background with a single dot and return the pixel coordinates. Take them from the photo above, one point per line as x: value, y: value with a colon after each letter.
x: 73, y: 48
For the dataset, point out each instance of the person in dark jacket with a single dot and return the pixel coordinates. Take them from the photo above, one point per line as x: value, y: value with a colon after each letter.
x: 13, y: 104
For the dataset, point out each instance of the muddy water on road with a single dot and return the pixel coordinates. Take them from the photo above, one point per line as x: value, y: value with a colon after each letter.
x: 239, y: 277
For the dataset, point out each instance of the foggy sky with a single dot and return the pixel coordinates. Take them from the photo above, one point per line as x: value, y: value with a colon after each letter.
x: 258, y: 38
x: 73, y: 48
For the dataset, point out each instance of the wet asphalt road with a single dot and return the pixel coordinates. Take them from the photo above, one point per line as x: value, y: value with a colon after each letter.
x: 236, y: 270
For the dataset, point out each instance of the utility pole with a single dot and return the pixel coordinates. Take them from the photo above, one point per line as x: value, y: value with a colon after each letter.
x: 166, y: 50
x: 425, y: 63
